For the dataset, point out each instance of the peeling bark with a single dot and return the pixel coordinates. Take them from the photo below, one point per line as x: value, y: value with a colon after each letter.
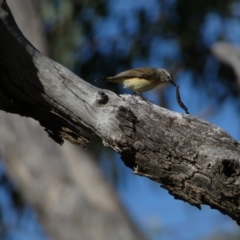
x: 194, y: 160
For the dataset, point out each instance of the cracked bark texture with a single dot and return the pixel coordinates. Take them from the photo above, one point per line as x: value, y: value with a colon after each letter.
x: 64, y: 185
x: 193, y: 159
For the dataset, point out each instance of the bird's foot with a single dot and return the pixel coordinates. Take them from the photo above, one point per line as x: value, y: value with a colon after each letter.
x: 137, y: 94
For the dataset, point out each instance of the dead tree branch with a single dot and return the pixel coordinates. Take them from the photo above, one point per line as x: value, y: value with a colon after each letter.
x: 195, y: 160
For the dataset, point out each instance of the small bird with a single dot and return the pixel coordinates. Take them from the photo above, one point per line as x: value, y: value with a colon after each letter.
x: 141, y: 79
x: 144, y: 79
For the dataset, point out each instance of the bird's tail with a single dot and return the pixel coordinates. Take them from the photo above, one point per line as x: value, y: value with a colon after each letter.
x: 101, y: 79
x: 110, y: 79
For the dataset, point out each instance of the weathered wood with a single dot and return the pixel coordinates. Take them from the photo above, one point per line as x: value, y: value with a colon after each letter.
x: 63, y: 184
x: 195, y: 160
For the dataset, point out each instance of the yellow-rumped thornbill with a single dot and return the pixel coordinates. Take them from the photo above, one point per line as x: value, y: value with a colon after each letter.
x: 144, y: 79
x: 141, y: 79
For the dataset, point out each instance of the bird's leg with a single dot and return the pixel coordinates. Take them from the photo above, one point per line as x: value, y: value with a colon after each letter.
x: 141, y: 97
x: 137, y: 94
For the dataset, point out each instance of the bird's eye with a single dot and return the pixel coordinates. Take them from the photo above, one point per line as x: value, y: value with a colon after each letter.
x: 169, y: 77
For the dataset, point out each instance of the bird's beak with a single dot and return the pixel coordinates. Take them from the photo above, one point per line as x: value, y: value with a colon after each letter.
x: 173, y: 83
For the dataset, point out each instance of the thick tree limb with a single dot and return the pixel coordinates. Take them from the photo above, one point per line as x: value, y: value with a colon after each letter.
x: 72, y: 199
x: 195, y: 160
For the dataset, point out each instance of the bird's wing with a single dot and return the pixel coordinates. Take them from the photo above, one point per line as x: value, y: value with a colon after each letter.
x: 145, y: 73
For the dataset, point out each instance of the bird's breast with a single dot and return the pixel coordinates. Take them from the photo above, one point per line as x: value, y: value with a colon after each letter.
x: 140, y: 84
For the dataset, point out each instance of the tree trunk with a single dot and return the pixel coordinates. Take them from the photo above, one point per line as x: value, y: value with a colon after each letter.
x: 195, y: 160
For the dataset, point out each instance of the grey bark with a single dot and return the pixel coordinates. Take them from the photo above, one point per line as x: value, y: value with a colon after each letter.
x: 193, y: 159
x: 63, y: 184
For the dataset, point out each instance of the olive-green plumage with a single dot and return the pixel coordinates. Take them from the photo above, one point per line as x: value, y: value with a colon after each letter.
x: 142, y: 79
